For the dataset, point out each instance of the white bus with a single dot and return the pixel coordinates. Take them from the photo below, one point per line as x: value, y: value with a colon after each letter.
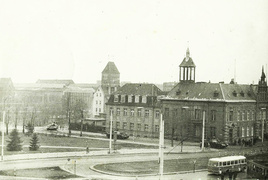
x: 222, y: 165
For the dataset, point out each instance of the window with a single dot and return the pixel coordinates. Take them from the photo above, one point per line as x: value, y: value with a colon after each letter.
x: 252, y: 131
x: 115, y: 98
x: 139, y: 112
x: 231, y: 115
x: 253, y: 114
x: 146, y: 113
x: 139, y: 127
x: 238, y: 132
x: 96, y: 102
x: 111, y: 110
x: 132, y: 112
x: 247, y: 131
x: 243, y: 131
x: 99, y: 109
x: 156, y: 128
x: 123, y: 98
x: 97, y: 94
x: 130, y: 98
x: 212, y: 132
x: 137, y: 99
x: 197, y: 113
x: 100, y: 102
x: 238, y: 115
x: 248, y: 115
x: 243, y: 116
x: 117, y: 125
x: 100, y: 94
x: 146, y: 127
x: 96, y: 109
x: 157, y: 114
x: 118, y: 111
x: 144, y: 99
x: 125, y: 111
x: 124, y: 125
x: 213, y: 115
x: 131, y: 126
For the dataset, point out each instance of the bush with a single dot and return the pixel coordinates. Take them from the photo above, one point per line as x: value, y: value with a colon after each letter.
x: 34, y: 143
x: 14, y: 144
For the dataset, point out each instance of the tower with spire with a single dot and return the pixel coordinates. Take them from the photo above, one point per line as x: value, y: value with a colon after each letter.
x: 262, y: 88
x: 187, y: 69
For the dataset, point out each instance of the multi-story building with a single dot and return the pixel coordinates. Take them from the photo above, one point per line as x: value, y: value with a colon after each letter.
x: 135, y: 109
x: 110, y: 82
x: 229, y: 110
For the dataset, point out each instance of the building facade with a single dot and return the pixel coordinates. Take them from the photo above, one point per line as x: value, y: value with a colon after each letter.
x: 230, y: 111
x: 135, y: 109
x: 110, y: 82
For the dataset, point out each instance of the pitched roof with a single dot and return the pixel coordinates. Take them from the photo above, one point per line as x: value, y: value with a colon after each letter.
x: 139, y: 89
x: 111, y: 68
x: 189, y: 63
x: 212, y: 92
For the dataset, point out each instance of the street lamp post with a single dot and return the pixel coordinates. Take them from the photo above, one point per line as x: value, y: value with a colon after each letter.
x: 161, y: 147
x: 203, y: 130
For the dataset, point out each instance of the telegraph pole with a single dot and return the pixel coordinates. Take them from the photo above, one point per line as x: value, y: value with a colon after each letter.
x: 161, y: 147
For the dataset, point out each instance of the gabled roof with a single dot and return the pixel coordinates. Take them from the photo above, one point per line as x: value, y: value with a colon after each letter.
x: 111, y: 68
x: 139, y: 89
x: 212, y: 92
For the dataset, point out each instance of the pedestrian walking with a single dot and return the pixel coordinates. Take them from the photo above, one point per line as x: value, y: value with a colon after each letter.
x: 87, y: 150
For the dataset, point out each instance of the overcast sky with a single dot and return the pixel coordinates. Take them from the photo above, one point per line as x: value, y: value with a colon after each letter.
x: 147, y: 40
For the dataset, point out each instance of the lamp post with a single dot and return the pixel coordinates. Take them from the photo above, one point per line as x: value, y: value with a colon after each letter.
x: 203, y: 130
x: 111, y: 132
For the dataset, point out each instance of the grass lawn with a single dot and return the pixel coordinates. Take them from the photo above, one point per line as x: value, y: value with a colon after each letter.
x: 49, y: 172
x: 152, y: 167
x: 65, y: 143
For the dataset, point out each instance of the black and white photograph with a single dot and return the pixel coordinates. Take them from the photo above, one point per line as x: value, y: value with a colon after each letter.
x: 133, y: 89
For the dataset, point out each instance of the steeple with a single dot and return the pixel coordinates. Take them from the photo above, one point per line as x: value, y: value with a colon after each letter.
x: 187, y: 69
x: 262, y: 88
x: 263, y: 75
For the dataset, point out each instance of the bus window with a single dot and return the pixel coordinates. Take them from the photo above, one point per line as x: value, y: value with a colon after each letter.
x: 220, y: 164
x: 232, y: 162
x: 224, y: 163
x: 236, y: 162
x: 242, y: 161
x: 228, y: 163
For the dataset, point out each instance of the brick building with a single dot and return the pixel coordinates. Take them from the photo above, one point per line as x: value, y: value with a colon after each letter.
x: 135, y: 109
x: 232, y: 111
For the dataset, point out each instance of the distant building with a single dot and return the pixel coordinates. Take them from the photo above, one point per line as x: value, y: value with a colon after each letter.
x: 136, y: 109
x: 230, y: 110
x: 110, y: 82
x: 66, y: 82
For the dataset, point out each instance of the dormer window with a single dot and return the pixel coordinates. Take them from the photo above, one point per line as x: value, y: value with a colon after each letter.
x: 137, y: 99
x: 178, y: 92
x: 115, y: 98
x: 216, y: 93
x: 234, y: 93
x: 123, y: 98
x: 242, y: 94
x: 130, y: 98
x: 144, y: 99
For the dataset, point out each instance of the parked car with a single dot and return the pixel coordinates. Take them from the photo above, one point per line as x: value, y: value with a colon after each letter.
x: 215, y: 143
x: 52, y: 126
x: 120, y: 135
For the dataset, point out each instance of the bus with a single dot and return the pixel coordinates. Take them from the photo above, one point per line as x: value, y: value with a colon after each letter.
x: 227, y: 164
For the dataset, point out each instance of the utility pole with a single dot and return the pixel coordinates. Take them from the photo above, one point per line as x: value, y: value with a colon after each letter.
x: 3, y: 139
x: 262, y: 128
x: 203, y: 130
x: 161, y: 147
x: 111, y: 132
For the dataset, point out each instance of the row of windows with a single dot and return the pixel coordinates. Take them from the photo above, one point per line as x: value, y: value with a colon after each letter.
x: 130, y: 98
x: 98, y: 102
x: 138, y: 127
x: 131, y: 112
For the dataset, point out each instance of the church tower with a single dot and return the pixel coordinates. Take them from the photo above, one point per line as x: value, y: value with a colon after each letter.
x: 262, y: 88
x: 187, y: 69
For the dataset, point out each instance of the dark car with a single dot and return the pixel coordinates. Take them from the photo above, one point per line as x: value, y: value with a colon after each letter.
x: 119, y: 135
x: 215, y: 143
x: 53, y: 126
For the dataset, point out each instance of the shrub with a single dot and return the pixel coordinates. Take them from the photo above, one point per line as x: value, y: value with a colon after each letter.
x: 14, y: 144
x: 34, y: 143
